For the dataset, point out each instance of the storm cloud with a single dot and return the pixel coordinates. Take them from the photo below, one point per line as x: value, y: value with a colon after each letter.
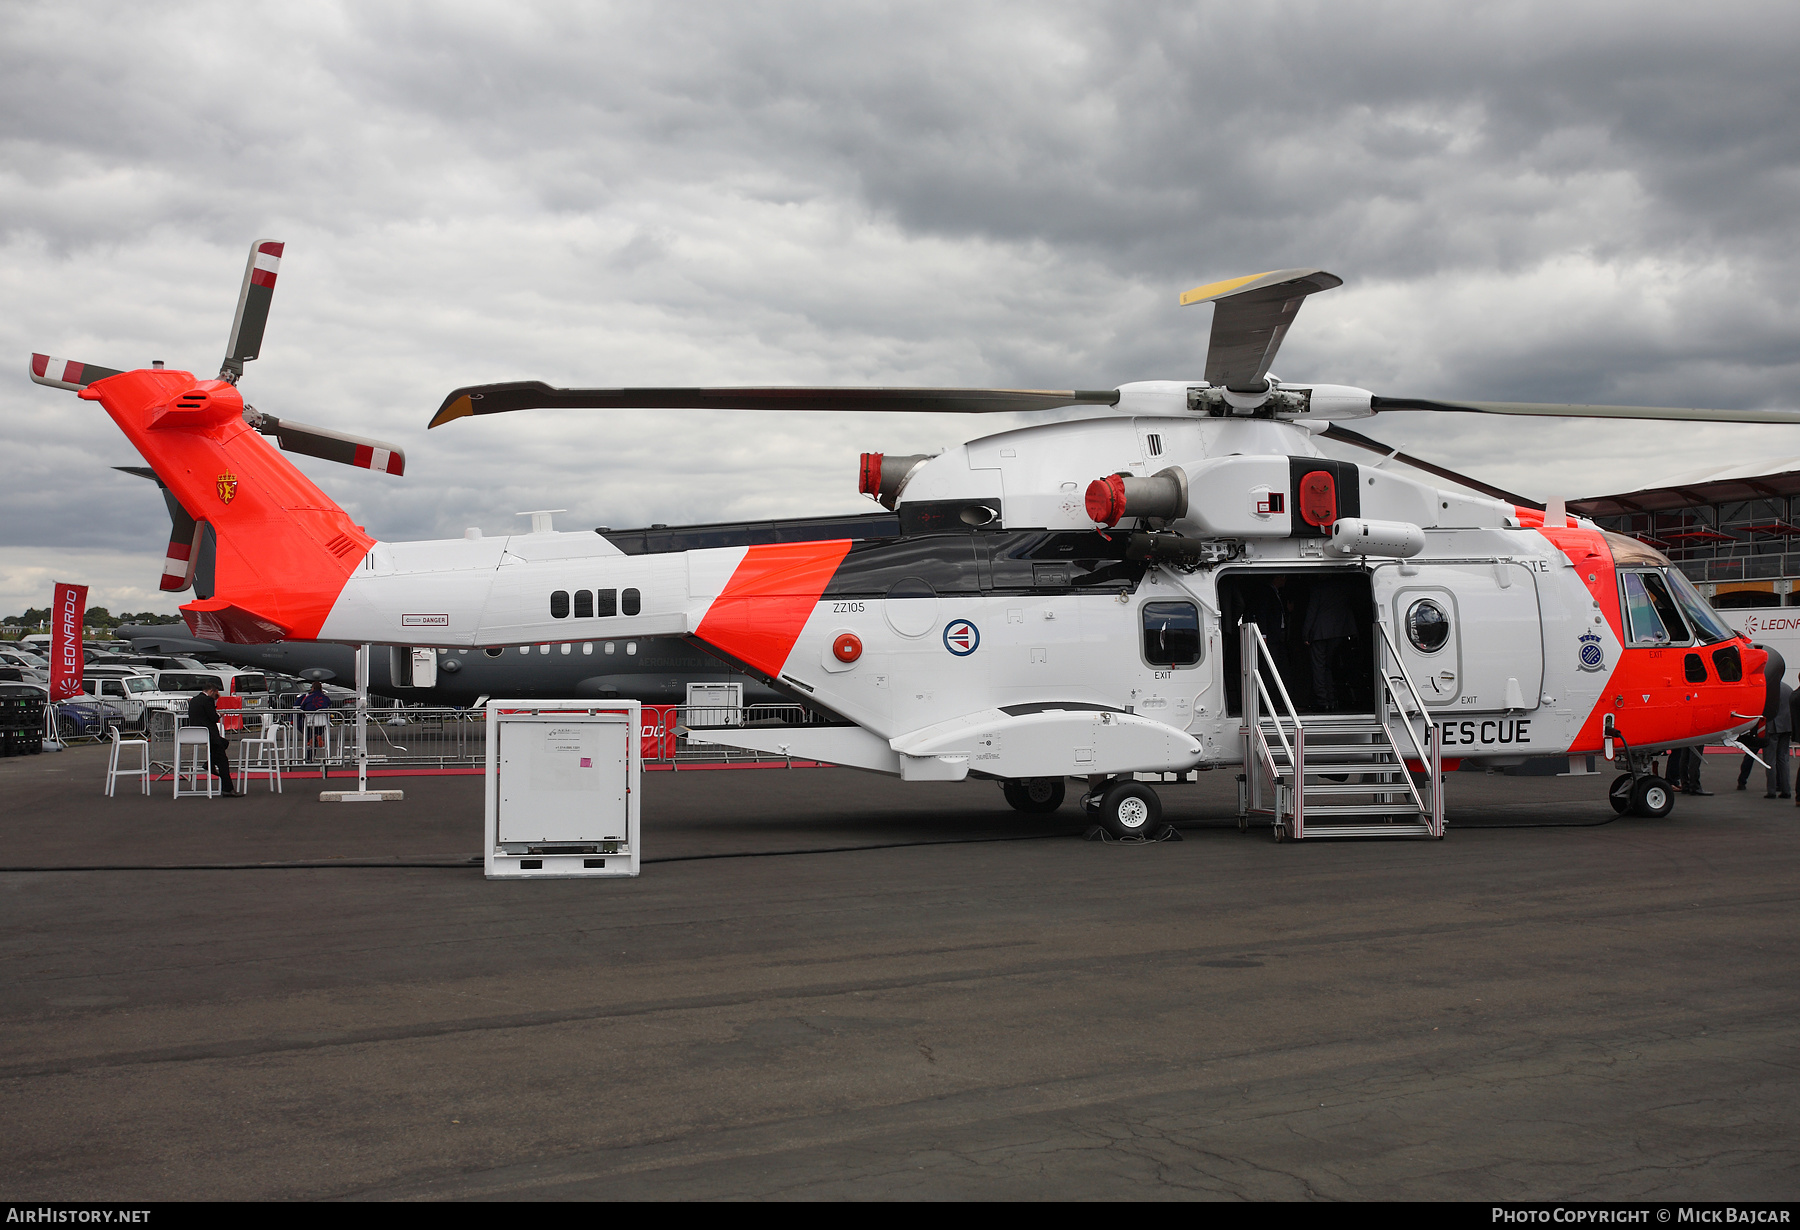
x: 1536, y: 202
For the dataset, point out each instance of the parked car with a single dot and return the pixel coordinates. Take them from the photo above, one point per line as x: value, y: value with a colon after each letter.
x: 91, y: 716
x: 175, y: 688
x: 32, y: 668
x: 160, y: 662
x: 127, y: 694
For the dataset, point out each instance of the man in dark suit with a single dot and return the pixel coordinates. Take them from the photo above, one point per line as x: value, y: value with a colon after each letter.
x: 203, y: 710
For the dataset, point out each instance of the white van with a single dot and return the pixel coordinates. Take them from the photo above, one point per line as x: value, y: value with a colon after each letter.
x: 252, y: 687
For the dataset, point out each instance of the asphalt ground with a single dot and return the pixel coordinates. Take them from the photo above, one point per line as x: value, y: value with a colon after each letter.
x: 975, y: 1004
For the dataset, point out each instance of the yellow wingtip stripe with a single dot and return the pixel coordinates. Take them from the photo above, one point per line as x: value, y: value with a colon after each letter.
x: 460, y: 408
x: 1213, y: 290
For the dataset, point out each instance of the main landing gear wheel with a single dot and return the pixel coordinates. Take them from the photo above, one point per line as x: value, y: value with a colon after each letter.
x: 1034, y: 795
x: 1652, y: 797
x: 1619, y: 793
x: 1129, y: 809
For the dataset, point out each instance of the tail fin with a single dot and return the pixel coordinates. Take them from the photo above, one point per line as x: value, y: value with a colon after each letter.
x: 270, y: 552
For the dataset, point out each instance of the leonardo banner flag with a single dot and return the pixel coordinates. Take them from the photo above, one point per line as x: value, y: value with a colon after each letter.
x: 66, y: 615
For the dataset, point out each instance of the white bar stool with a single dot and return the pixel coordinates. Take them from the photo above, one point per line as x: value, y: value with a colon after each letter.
x: 198, y: 768
x: 261, y: 755
x: 113, y: 769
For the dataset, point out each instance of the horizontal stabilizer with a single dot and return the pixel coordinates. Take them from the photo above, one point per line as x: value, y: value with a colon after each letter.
x: 215, y: 619
x: 536, y: 395
x: 67, y: 373
x: 331, y: 445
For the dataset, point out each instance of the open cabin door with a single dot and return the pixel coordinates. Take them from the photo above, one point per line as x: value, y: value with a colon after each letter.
x: 1471, y: 635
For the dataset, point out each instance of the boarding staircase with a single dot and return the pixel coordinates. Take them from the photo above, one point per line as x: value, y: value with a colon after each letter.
x: 1338, y: 774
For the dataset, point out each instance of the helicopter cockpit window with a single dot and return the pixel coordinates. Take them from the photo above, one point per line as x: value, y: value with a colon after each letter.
x: 1643, y: 627
x: 1699, y: 611
x: 1171, y: 633
x: 1655, y: 617
x: 1427, y: 626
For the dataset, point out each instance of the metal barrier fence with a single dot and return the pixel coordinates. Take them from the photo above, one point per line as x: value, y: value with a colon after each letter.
x: 426, y: 738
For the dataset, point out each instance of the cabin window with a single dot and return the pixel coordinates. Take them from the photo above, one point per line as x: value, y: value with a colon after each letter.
x: 630, y: 603
x: 587, y: 647
x: 606, y: 603
x: 559, y: 604
x: 543, y: 649
x: 1427, y: 626
x: 565, y: 647
x: 524, y: 648
x: 1171, y: 633
x: 630, y: 646
x: 584, y: 604
x: 1694, y: 668
x: 1729, y: 663
x: 609, y: 647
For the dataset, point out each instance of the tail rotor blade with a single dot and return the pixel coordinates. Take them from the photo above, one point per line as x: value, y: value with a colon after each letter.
x: 67, y: 373
x: 252, y: 307
x: 331, y: 445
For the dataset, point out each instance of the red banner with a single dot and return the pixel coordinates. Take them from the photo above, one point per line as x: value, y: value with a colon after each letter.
x: 659, y: 732
x: 67, y: 611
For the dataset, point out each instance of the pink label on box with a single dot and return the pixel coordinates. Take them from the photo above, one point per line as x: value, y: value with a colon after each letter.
x: 587, y: 762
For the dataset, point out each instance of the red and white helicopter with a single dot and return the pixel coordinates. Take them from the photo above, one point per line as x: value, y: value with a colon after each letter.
x: 1178, y: 581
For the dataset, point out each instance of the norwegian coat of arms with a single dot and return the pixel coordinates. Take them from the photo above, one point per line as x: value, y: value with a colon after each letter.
x: 227, y: 487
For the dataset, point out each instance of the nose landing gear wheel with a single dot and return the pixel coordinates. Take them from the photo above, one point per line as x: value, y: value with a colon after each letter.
x: 1652, y: 797
x: 1129, y: 809
x: 1619, y: 793
x: 1034, y: 795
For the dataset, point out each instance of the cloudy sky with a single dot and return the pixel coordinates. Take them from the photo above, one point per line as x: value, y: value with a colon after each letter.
x: 1535, y: 202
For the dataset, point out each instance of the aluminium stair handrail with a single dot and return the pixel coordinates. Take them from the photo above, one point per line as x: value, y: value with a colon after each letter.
x: 1432, y: 760
x: 1253, y: 652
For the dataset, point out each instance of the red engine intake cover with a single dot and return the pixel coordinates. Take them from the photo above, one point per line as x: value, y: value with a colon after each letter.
x: 1106, y: 499
x: 868, y: 478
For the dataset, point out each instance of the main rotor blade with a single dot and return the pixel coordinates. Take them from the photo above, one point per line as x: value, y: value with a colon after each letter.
x: 258, y: 289
x: 67, y: 373
x: 536, y: 395
x: 1250, y: 317
x: 331, y: 445
x: 1684, y: 414
x: 1357, y: 440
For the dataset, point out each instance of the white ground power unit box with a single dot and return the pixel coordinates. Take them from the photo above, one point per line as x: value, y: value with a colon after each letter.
x: 562, y: 789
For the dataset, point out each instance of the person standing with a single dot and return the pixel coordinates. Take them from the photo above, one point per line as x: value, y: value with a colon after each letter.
x: 1268, y: 610
x: 318, y: 722
x: 203, y: 710
x: 1781, y: 738
x: 1330, y: 624
x: 1755, y: 742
